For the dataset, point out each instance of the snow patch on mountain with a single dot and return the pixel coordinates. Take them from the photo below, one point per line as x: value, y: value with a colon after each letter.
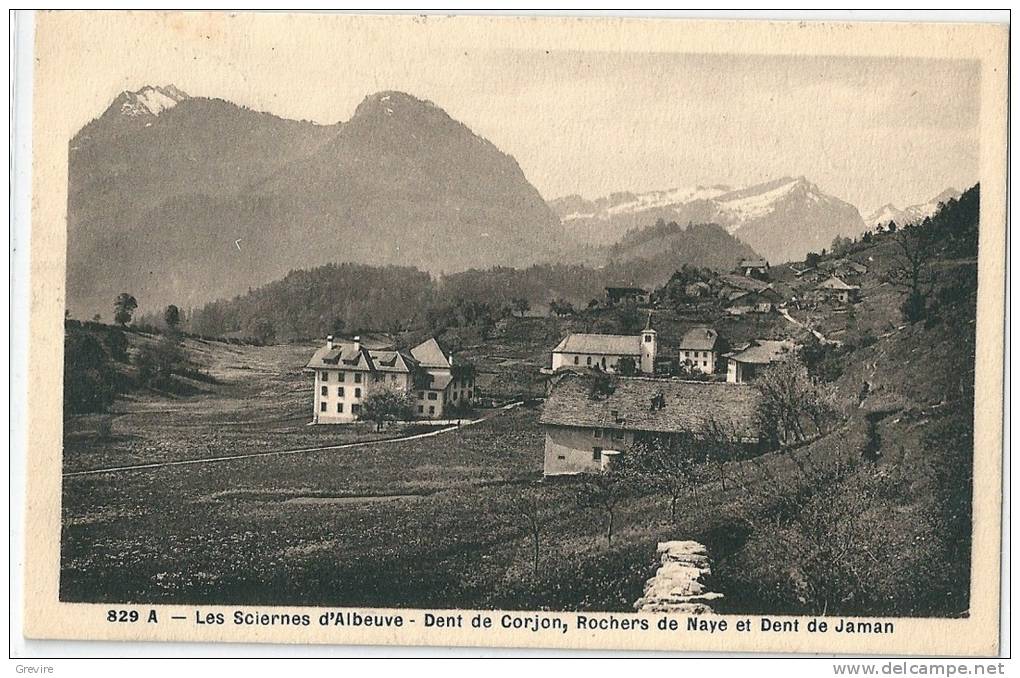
x: 151, y: 100
x: 912, y: 214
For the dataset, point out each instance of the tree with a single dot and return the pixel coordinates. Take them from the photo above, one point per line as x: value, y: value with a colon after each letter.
x: 603, y: 491
x: 97, y: 318
x: 626, y: 366
x: 386, y: 405
x: 811, y: 259
x: 629, y: 317
x: 157, y: 364
x: 840, y: 245
x: 123, y: 308
x: 561, y: 307
x: 667, y: 465
x: 790, y: 400
x: 526, y: 507
x: 520, y: 305
x: 337, y: 326
x: 172, y: 317
x: 264, y: 331
x: 914, y: 270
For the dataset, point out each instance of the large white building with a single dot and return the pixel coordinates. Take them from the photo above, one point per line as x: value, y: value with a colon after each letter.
x: 605, y: 351
x: 698, y: 349
x: 346, y: 373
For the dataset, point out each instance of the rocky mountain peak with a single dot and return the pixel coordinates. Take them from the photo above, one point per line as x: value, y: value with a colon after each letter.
x: 148, y: 101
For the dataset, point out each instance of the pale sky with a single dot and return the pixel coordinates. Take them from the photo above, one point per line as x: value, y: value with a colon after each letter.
x: 867, y: 130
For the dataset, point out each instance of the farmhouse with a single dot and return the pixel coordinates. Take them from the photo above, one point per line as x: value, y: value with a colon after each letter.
x: 584, y: 430
x: 698, y: 349
x: 745, y: 362
x: 756, y: 301
x: 754, y: 268
x: 346, y: 373
x: 619, y: 295
x: 835, y: 290
x: 605, y: 351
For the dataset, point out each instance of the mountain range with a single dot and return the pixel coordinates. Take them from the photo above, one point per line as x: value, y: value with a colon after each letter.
x: 180, y: 199
x: 782, y: 220
x: 912, y: 214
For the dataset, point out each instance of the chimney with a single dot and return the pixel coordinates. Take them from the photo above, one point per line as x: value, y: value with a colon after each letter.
x: 450, y: 360
x: 329, y: 341
x: 357, y: 344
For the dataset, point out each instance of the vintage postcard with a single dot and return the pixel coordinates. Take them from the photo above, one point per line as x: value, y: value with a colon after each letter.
x: 552, y: 332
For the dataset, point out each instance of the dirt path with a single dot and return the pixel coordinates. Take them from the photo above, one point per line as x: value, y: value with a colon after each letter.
x: 818, y: 335
x: 301, y: 450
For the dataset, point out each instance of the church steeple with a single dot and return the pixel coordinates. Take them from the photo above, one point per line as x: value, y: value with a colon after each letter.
x: 648, y: 347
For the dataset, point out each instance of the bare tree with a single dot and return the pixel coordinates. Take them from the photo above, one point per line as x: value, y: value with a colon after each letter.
x: 914, y: 270
x: 526, y: 507
x: 667, y: 465
x: 603, y: 491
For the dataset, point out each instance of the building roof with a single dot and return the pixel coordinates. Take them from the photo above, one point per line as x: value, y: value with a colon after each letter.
x: 769, y: 294
x: 834, y: 283
x: 440, y: 379
x: 430, y: 354
x: 600, y: 344
x: 699, y: 339
x: 344, y: 356
x: 687, y: 405
x: 753, y: 263
x: 763, y: 351
x: 742, y: 282
x: 626, y: 290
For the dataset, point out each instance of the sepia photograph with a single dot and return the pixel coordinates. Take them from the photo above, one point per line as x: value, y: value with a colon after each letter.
x: 363, y: 324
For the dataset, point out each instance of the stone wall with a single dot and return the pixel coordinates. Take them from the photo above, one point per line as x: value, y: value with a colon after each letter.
x: 680, y: 583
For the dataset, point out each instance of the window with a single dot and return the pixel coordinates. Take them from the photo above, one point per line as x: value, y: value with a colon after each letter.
x: 617, y: 435
x: 615, y: 414
x: 648, y: 338
x: 469, y: 395
x: 355, y: 409
x: 376, y: 378
x: 704, y: 363
x: 322, y: 406
x: 357, y: 377
x: 589, y: 361
x: 341, y: 380
x: 421, y: 395
x: 393, y: 377
x: 598, y: 433
x: 421, y: 409
x: 577, y: 359
x: 340, y: 407
x: 357, y: 393
x: 340, y: 391
x: 603, y: 361
x: 596, y: 454
x: 432, y: 409
x: 561, y: 456
x: 433, y: 395
x: 324, y: 375
x: 324, y: 390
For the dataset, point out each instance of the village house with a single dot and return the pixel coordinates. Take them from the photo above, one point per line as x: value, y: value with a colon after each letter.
x: 620, y: 295
x: 835, y: 290
x: 605, y: 351
x: 745, y: 362
x: 585, y: 431
x: 346, y: 373
x: 697, y: 289
x: 698, y: 349
x: 843, y: 268
x: 755, y: 301
x: 754, y: 268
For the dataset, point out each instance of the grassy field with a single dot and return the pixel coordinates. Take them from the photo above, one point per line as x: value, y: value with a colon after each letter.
x: 428, y: 522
